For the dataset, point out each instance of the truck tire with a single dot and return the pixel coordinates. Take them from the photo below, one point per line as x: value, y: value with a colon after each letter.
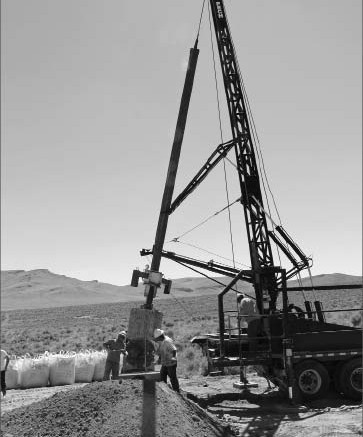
x: 350, y: 379
x: 312, y: 379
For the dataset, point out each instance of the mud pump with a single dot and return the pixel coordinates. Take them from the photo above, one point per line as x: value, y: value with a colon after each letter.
x: 296, y: 348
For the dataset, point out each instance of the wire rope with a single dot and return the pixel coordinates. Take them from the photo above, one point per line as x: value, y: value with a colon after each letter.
x: 208, y: 277
x: 253, y: 129
x: 209, y: 252
x: 260, y: 163
x: 190, y: 314
x: 204, y: 221
x: 215, y: 76
x: 200, y: 20
x: 258, y: 144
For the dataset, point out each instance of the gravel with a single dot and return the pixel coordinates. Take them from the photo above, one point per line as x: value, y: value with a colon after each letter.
x: 109, y: 409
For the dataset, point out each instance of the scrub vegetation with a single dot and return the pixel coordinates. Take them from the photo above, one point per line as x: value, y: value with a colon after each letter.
x: 76, y: 328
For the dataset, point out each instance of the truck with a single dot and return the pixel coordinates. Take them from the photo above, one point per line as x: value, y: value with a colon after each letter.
x: 296, y: 348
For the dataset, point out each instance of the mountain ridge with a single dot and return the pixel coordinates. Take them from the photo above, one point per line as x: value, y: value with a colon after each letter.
x: 41, y: 288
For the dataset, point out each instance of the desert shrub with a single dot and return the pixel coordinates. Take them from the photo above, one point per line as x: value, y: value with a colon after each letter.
x: 87, y: 326
x: 169, y: 333
x: 191, y: 362
x: 189, y: 354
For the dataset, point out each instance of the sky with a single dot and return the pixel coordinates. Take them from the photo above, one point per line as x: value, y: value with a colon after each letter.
x: 90, y: 93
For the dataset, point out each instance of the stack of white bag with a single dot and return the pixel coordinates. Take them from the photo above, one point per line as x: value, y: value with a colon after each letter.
x: 60, y: 368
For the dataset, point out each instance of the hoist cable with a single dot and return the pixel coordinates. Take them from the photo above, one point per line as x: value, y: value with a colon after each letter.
x: 229, y: 213
x: 183, y: 306
x: 204, y: 221
x: 215, y: 76
x: 200, y: 20
x: 254, y: 131
x: 209, y: 252
x: 208, y: 277
x: 258, y: 147
x: 259, y: 151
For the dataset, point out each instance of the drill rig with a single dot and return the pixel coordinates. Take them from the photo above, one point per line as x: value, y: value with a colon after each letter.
x: 297, y: 349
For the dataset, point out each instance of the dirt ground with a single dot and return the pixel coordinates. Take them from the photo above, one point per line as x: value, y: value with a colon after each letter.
x: 260, y: 411
x: 209, y: 406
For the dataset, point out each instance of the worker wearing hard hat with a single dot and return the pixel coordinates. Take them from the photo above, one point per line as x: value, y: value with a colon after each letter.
x: 114, y: 348
x: 167, y: 352
x: 248, y: 315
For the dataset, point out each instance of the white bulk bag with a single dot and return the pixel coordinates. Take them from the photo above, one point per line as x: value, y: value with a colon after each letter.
x: 121, y: 363
x: 34, y: 372
x: 12, y: 374
x: 62, y: 368
x: 100, y: 363
x: 85, y: 367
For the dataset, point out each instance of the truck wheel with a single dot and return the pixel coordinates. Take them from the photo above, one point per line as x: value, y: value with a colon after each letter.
x: 350, y: 379
x: 312, y: 379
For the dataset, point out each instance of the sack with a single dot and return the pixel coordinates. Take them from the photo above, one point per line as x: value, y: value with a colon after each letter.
x: 122, y: 359
x: 84, y: 367
x: 100, y: 363
x: 12, y: 374
x: 62, y: 368
x: 34, y: 372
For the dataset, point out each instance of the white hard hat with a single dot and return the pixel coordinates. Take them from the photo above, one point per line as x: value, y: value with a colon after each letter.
x: 123, y: 333
x: 158, y: 332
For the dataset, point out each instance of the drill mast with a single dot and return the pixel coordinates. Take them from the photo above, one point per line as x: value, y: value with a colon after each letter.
x: 259, y: 244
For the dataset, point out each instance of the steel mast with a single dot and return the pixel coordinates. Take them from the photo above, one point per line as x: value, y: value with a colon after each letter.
x: 256, y: 225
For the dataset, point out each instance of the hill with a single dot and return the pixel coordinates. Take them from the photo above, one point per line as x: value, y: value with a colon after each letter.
x: 41, y: 288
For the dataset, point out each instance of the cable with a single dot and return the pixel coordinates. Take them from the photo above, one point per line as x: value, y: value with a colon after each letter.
x: 215, y: 76
x: 257, y: 142
x: 182, y: 305
x: 208, y: 277
x: 204, y: 221
x: 200, y: 20
x: 210, y: 253
x: 221, y: 134
x: 254, y: 134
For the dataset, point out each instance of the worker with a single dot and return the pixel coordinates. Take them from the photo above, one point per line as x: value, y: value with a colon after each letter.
x: 4, y: 365
x: 248, y: 313
x: 115, y: 348
x: 167, y: 354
